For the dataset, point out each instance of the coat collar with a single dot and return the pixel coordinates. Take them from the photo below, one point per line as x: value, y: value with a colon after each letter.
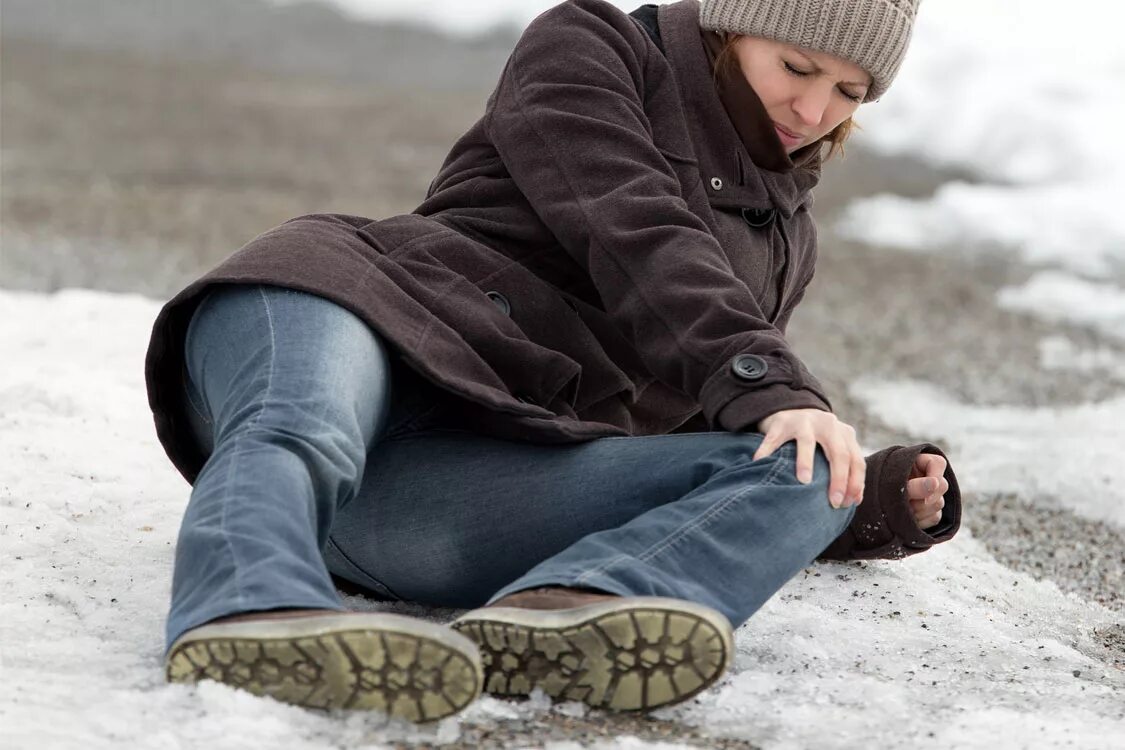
x: 740, y: 157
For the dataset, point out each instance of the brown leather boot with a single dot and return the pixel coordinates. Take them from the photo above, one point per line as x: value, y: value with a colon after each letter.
x: 552, y: 597
x: 608, y: 651
x: 325, y: 659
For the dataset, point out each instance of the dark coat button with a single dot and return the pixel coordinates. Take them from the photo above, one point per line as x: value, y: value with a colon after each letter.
x: 749, y: 367
x: 758, y: 217
x: 501, y: 302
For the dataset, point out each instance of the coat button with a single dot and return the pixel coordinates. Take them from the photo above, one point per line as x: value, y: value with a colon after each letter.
x: 758, y: 217
x: 749, y: 367
x: 501, y: 302
x: 716, y: 183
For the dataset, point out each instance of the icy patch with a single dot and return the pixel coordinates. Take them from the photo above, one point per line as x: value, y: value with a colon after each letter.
x: 1060, y: 297
x: 1070, y: 453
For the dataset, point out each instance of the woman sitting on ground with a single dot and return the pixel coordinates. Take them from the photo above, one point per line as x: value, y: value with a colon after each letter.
x: 558, y: 393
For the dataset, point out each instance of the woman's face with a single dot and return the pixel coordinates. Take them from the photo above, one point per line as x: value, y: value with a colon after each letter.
x: 806, y: 93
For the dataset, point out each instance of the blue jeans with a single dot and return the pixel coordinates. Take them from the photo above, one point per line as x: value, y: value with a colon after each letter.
x: 327, y: 454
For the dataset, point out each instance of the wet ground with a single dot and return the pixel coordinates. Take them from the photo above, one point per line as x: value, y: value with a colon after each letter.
x: 128, y: 173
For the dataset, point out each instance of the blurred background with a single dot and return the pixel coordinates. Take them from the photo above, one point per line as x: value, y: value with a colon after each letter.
x: 970, y: 241
x: 145, y: 140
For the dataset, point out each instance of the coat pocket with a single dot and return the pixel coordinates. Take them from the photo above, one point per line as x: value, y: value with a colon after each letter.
x: 464, y: 325
x: 550, y: 319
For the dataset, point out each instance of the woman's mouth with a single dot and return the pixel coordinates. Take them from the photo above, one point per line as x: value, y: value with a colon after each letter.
x: 787, y: 137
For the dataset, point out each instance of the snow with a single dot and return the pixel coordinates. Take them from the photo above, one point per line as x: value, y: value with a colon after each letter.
x: 947, y: 647
x: 455, y: 16
x: 1026, y: 101
x: 1070, y: 454
x: 1060, y: 353
x: 1060, y: 297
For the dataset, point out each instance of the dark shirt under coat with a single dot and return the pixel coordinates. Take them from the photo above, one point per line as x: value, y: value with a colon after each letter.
x: 603, y: 253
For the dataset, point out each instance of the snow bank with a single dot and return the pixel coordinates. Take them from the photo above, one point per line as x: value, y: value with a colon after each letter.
x: 947, y: 647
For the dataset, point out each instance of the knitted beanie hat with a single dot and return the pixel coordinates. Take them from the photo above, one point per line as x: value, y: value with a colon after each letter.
x: 873, y: 34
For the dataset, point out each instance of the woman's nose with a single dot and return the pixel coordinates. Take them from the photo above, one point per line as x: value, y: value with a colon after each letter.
x: 811, y: 104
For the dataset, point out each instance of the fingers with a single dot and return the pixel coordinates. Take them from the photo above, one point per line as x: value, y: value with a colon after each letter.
x: 929, y: 521
x: 924, y: 503
x: 923, y: 487
x: 839, y: 460
x: 927, y: 511
x: 810, y: 427
x: 926, y: 506
x: 769, y: 444
x: 857, y: 477
x: 806, y: 448
x: 931, y: 464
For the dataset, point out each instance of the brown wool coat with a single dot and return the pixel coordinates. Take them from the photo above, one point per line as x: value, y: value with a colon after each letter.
x: 603, y: 253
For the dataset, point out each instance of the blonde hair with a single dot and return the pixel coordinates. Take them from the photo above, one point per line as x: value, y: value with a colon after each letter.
x: 835, y: 139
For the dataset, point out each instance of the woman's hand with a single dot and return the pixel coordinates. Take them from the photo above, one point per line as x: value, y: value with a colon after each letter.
x: 926, y: 488
x: 809, y: 427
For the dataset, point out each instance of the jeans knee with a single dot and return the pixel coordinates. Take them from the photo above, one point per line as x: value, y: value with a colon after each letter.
x: 333, y: 459
x: 811, y: 500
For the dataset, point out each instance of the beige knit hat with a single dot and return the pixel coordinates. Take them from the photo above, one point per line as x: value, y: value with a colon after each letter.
x: 873, y: 34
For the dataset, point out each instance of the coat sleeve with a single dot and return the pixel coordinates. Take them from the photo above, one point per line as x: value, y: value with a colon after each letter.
x: 568, y: 121
x: 883, y: 526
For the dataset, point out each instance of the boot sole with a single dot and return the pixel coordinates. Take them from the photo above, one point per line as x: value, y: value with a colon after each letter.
x: 399, y: 665
x: 634, y: 654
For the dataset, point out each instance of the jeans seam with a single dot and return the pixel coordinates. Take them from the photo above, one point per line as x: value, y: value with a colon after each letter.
x: 685, y: 528
x: 253, y: 421
x: 190, y: 400
x: 379, y: 586
x: 768, y: 481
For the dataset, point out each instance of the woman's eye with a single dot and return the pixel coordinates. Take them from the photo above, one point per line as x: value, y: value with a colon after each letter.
x: 802, y: 74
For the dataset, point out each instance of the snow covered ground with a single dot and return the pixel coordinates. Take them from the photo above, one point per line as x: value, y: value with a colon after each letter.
x: 948, y: 647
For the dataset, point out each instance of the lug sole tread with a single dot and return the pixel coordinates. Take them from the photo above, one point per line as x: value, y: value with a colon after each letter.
x: 629, y: 658
x: 402, y: 674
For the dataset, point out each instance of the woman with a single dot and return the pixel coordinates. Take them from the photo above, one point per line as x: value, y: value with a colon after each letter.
x: 558, y: 392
